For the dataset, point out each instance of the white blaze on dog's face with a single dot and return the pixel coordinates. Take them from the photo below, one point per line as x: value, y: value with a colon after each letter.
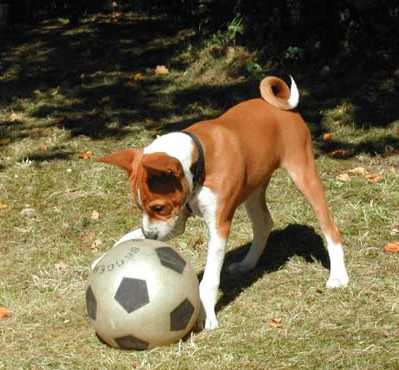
x: 161, y: 182
x: 161, y: 191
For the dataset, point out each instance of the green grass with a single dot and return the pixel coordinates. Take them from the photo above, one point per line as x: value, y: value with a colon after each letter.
x: 66, y: 91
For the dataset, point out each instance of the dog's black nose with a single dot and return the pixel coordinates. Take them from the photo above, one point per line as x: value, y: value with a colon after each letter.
x: 151, y: 234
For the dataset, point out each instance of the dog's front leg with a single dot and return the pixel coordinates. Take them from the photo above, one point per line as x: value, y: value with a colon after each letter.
x: 210, y: 282
x: 218, y: 231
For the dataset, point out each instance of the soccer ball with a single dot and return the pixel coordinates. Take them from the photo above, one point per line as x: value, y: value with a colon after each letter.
x: 142, y: 294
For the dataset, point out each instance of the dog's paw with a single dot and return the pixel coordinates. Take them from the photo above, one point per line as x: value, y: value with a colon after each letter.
x: 211, y: 323
x: 338, y: 281
x: 239, y: 268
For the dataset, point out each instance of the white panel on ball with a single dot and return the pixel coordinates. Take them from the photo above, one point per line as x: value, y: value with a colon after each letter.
x: 142, y: 294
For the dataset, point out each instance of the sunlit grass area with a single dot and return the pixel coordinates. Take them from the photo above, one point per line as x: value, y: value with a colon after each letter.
x: 72, y: 93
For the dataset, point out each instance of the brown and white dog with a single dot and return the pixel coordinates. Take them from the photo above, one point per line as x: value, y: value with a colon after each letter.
x: 213, y: 166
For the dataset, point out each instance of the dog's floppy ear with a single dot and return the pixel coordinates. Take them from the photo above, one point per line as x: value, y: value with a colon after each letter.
x: 123, y: 159
x: 161, y: 163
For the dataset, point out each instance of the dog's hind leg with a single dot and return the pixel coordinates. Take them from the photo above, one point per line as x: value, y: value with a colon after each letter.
x: 262, y: 224
x: 302, y: 169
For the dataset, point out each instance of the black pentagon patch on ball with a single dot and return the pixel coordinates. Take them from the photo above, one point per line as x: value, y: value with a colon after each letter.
x: 131, y: 342
x: 181, y: 315
x: 132, y: 294
x: 169, y: 258
x: 91, y: 303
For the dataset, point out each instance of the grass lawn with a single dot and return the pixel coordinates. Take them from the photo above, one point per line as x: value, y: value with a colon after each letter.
x: 69, y: 94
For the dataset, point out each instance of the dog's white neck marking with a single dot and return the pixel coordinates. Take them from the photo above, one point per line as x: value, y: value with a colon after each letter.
x: 177, y: 145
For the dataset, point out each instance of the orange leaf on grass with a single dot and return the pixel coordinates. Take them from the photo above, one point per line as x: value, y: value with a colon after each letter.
x: 275, y: 323
x: 3, y: 206
x: 327, y: 136
x: 5, y: 313
x: 86, y: 155
x: 373, y: 177
x: 391, y: 247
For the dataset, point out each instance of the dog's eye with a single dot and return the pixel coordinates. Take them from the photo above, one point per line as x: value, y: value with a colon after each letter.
x: 157, y: 208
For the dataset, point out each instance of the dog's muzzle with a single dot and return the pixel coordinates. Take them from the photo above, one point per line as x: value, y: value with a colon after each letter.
x: 150, y: 234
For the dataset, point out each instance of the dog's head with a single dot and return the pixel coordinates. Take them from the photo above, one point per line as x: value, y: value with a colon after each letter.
x: 159, y: 188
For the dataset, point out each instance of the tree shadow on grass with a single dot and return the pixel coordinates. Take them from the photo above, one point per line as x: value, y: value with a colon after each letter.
x: 55, y: 154
x: 80, y: 78
x: 220, y: 98
x: 83, y: 74
x: 294, y: 240
x: 42, y: 153
x: 11, y: 131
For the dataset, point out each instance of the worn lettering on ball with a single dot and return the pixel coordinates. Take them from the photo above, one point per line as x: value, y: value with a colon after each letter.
x: 102, y: 268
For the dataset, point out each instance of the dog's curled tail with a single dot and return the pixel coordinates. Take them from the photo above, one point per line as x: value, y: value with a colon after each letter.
x: 276, y: 92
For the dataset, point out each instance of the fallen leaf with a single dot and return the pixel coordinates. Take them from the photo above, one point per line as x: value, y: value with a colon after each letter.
x: 327, y: 136
x: 13, y: 117
x: 275, y: 323
x: 137, y: 76
x: 135, y: 365
x: 95, y: 215
x: 395, y: 229
x: 61, y: 266
x: 86, y: 155
x: 5, y: 313
x: 36, y: 133
x: 88, y: 237
x: 5, y: 141
x: 116, y: 15
x: 59, y: 121
x: 43, y: 147
x: 339, y: 153
x: 344, y: 177
x: 55, y: 92
x: 359, y: 171
x: 28, y: 212
x: 391, y: 247
x: 3, y: 206
x: 161, y: 70
x: 96, y: 244
x: 373, y: 177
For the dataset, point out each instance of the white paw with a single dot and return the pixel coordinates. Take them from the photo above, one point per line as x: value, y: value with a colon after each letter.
x: 338, y: 281
x: 239, y: 268
x: 211, y: 322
